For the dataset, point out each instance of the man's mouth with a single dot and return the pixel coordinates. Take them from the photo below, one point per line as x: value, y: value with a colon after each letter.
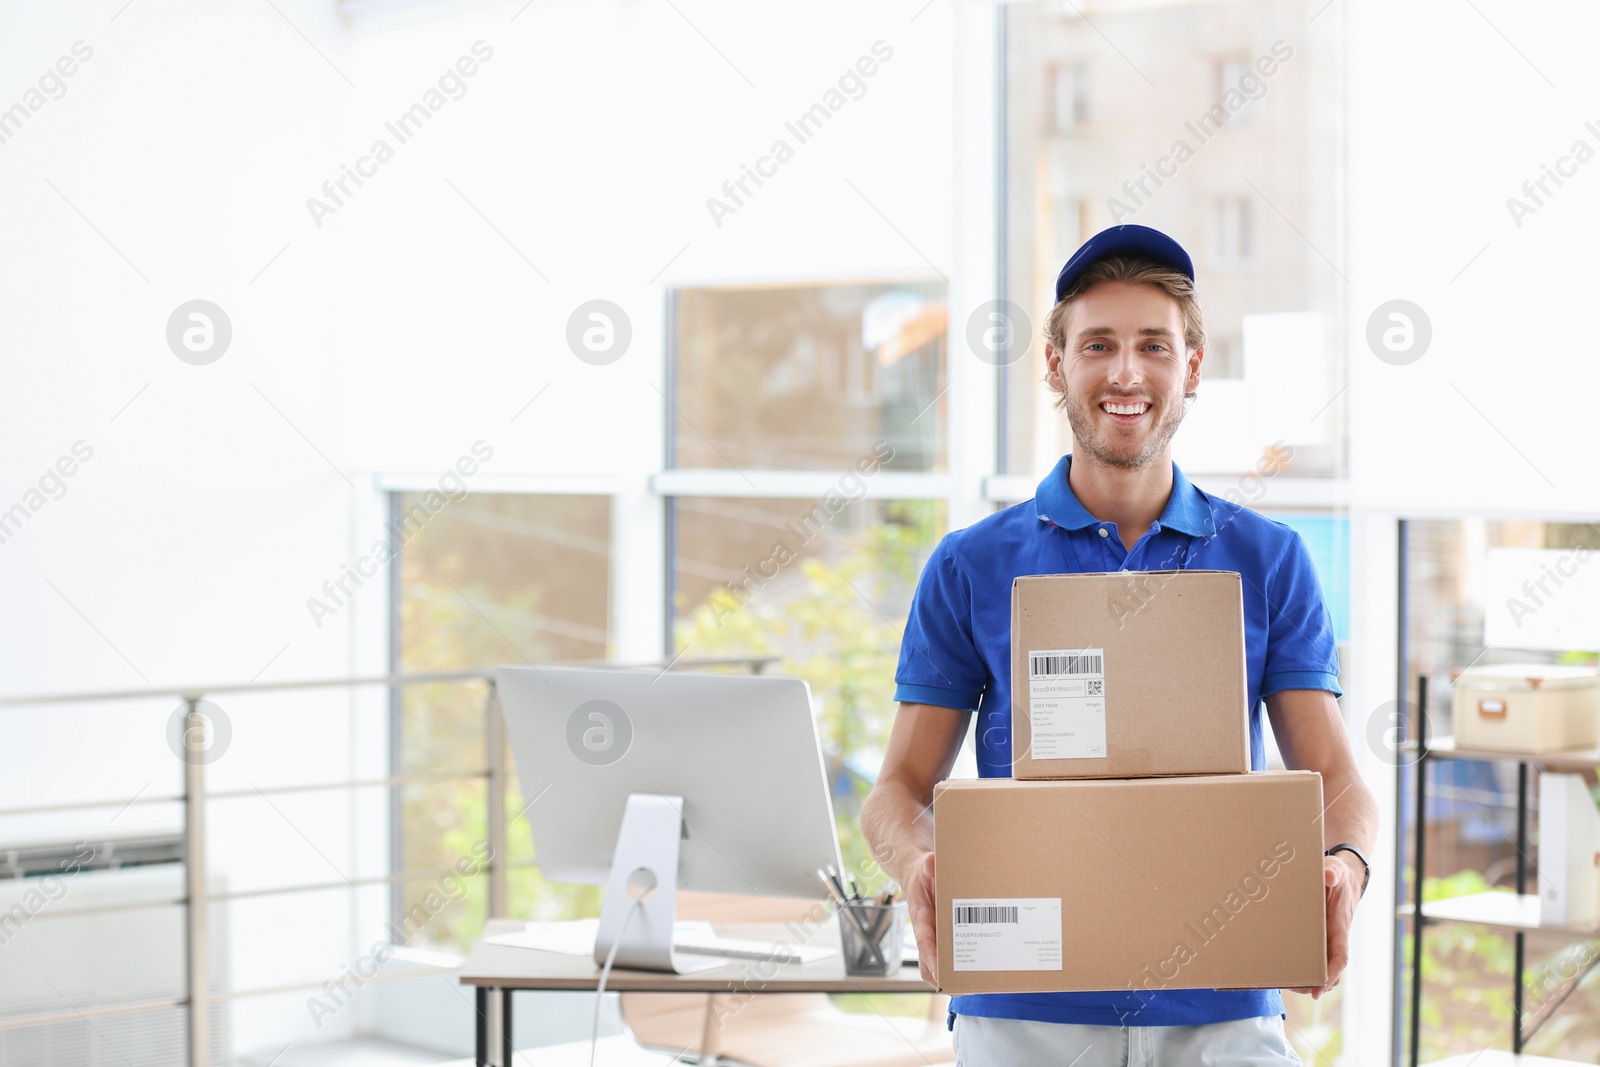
x: 1125, y: 410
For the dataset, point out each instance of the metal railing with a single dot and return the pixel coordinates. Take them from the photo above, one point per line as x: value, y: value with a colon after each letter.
x: 198, y: 995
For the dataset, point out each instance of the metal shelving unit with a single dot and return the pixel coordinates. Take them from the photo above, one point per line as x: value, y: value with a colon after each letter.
x: 1516, y: 912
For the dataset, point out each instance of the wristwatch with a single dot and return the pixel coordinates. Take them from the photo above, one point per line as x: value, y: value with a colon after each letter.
x: 1356, y: 852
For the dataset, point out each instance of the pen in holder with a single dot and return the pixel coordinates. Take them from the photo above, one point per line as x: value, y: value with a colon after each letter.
x: 871, y: 937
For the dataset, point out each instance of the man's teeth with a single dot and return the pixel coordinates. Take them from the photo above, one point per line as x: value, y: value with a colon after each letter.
x: 1125, y: 409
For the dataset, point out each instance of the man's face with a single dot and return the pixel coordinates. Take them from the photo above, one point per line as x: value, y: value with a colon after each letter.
x: 1124, y: 370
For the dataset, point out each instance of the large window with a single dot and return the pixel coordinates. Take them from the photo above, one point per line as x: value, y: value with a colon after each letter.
x: 489, y: 579
x: 823, y: 589
x: 838, y: 388
x: 808, y: 377
x: 1212, y: 121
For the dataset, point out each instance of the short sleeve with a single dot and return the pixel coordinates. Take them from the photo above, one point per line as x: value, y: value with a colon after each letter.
x: 1302, y: 652
x: 939, y: 662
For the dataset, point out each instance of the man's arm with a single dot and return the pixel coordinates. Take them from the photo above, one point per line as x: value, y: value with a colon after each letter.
x: 897, y: 817
x: 1312, y: 737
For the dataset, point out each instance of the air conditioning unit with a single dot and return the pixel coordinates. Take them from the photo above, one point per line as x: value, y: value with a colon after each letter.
x: 57, y: 964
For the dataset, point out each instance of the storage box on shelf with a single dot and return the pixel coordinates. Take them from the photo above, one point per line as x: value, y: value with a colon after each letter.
x: 1569, y: 849
x: 1528, y: 707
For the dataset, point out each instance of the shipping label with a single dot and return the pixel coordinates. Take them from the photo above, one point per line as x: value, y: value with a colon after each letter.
x: 1067, y: 703
x: 1007, y: 934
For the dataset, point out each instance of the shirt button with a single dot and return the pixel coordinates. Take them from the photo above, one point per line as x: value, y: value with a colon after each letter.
x: 1104, y: 532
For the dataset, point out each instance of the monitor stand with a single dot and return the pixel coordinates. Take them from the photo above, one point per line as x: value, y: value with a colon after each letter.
x: 644, y: 867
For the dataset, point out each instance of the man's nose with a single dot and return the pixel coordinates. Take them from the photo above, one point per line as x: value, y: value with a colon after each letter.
x: 1124, y: 370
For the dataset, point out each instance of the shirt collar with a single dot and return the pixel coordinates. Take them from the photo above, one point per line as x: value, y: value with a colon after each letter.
x: 1187, y: 511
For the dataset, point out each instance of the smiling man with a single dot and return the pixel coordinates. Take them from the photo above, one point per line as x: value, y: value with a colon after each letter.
x: 1125, y: 341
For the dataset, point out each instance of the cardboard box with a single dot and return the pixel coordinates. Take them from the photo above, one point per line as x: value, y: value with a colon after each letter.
x: 1205, y: 882
x: 1527, y: 707
x: 1128, y: 674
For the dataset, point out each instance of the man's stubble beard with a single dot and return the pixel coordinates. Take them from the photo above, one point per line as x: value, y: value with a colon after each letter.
x: 1090, y: 440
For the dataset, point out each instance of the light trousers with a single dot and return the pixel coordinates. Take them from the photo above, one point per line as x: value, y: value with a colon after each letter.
x: 983, y: 1042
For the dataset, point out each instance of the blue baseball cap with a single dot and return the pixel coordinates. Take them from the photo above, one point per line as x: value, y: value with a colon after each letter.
x: 1130, y: 240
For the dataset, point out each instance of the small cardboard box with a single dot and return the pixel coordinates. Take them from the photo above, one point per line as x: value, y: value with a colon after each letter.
x: 1527, y: 707
x: 1128, y: 674
x: 1205, y: 882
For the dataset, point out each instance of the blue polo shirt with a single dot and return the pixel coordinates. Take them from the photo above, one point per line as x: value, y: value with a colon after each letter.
x: 957, y: 654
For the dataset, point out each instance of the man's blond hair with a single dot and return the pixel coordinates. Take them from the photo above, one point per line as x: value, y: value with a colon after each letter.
x: 1137, y: 271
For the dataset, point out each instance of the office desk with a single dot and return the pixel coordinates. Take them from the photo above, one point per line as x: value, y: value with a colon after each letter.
x: 506, y: 968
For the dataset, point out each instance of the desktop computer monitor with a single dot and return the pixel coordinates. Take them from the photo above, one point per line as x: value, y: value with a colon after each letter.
x: 712, y: 782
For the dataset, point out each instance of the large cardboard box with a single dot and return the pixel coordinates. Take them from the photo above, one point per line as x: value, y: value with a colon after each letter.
x: 1128, y: 674
x: 1527, y: 707
x: 1203, y: 882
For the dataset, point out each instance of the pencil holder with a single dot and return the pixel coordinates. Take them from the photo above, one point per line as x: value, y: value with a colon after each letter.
x: 870, y: 937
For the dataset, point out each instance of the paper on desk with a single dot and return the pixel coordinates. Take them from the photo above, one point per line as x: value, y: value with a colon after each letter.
x: 575, y: 938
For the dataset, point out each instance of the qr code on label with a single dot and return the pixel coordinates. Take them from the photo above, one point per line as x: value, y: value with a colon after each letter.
x: 1097, y: 687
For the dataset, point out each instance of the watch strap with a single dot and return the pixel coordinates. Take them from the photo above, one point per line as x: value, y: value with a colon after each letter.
x: 1345, y: 846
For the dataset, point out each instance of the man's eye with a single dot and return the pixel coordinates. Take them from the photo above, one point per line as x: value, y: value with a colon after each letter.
x: 1095, y: 346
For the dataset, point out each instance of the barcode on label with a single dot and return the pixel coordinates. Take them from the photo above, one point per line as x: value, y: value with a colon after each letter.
x: 970, y: 915
x: 1084, y: 663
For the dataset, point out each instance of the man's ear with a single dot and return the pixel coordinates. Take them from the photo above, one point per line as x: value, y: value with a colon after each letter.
x: 1192, y: 380
x: 1052, y: 368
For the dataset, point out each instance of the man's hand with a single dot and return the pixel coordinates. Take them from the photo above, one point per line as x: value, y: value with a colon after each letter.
x: 1311, y: 735
x: 924, y: 924
x: 897, y: 816
x: 1342, y: 882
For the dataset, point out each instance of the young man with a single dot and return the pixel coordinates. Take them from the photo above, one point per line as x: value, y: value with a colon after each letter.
x: 1124, y: 345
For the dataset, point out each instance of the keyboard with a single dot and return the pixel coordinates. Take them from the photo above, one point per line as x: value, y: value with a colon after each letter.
x: 743, y: 948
